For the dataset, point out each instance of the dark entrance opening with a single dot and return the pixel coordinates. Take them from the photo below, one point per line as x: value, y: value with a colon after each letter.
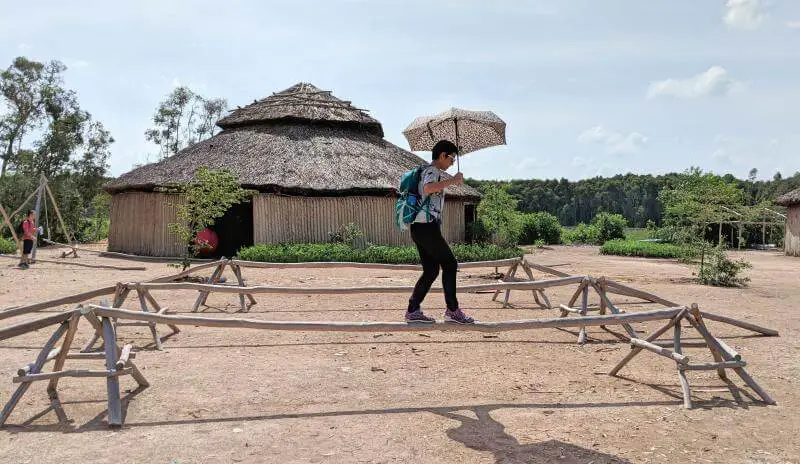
x: 234, y: 229
x: 470, y: 216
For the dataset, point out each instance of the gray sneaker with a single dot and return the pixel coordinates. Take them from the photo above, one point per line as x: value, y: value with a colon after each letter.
x: 458, y: 317
x: 418, y: 316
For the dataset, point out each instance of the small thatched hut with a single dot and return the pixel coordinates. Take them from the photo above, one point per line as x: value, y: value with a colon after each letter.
x: 791, y: 241
x: 317, y: 162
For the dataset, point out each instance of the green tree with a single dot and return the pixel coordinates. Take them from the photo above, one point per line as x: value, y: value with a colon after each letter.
x: 497, y: 211
x: 184, y: 117
x: 204, y: 199
x: 29, y: 89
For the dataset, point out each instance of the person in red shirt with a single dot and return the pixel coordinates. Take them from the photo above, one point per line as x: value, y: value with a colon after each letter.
x: 28, y: 236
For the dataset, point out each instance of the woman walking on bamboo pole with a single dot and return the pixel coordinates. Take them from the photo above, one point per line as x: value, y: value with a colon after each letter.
x: 426, y: 231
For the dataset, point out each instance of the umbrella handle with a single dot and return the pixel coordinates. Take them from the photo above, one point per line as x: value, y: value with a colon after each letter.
x: 458, y: 146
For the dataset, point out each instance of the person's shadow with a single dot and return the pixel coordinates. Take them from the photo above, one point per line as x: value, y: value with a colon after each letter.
x: 486, y: 434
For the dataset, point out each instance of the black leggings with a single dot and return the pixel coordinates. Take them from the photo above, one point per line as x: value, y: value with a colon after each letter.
x: 434, y: 252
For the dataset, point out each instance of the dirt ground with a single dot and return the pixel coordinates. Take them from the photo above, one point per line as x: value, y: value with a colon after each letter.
x: 223, y: 395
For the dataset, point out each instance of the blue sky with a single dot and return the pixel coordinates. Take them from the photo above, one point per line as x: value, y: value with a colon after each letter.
x: 587, y: 87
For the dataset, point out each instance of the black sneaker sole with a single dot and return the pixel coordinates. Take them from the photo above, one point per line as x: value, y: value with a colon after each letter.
x: 420, y: 322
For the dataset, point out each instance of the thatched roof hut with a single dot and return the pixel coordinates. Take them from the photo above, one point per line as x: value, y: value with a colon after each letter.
x: 791, y: 241
x: 317, y: 162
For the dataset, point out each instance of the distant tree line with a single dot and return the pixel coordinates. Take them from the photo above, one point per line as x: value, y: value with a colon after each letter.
x: 634, y: 196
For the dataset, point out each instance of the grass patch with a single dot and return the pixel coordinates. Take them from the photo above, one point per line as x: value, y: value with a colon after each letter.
x: 633, y: 233
x: 643, y: 249
x: 7, y: 246
x: 311, y: 252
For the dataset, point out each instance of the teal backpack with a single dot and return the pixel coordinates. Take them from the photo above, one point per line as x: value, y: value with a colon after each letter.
x: 410, y: 204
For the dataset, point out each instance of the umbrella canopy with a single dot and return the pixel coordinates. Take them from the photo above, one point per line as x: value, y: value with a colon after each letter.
x: 469, y: 130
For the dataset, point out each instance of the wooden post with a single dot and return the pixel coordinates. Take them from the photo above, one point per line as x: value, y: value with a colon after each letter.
x: 713, y: 344
x: 67, y: 234
x: 687, y: 393
x: 58, y: 364
x: 112, y: 382
x: 35, y: 369
x: 582, y: 335
x: 652, y: 337
x: 237, y: 271
x: 7, y: 220
x: 36, y: 210
x: 157, y: 307
x: 604, y: 297
x: 201, y: 298
x: 143, y: 306
x: 508, y: 291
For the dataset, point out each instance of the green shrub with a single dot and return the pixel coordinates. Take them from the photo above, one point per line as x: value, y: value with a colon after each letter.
x: 541, y: 226
x: 643, y: 249
x: 609, y: 226
x: 497, y: 211
x: 718, y: 270
x: 309, y: 252
x: 7, y: 246
x: 583, y: 234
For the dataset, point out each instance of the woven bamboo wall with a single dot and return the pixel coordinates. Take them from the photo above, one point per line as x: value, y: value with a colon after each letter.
x: 139, y: 224
x: 139, y: 221
x: 285, y: 219
x: 791, y: 241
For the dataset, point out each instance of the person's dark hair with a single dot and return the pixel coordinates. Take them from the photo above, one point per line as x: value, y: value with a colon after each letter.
x: 30, y: 211
x: 443, y: 146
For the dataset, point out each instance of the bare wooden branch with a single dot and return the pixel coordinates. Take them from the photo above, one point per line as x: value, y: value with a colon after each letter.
x: 112, y: 383
x: 651, y: 338
x: 546, y: 269
x: 11, y: 227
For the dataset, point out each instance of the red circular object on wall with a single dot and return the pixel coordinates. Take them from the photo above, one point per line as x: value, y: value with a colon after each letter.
x: 206, y: 241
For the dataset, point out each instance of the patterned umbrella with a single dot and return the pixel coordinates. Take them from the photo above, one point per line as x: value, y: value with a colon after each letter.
x: 469, y: 130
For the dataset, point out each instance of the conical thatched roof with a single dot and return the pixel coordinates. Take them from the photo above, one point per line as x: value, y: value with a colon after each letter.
x: 302, y: 103
x: 293, y: 148
x: 789, y: 199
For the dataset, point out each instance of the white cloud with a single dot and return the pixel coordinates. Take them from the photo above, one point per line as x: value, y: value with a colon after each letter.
x: 616, y: 143
x: 744, y: 14
x: 713, y: 82
x: 792, y: 24
x: 530, y: 164
x: 75, y: 64
x: 24, y: 47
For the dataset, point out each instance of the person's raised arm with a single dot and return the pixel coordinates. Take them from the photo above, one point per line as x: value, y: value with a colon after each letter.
x: 434, y: 187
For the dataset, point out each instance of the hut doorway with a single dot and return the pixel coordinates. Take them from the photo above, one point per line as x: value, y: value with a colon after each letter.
x: 470, y: 216
x: 235, y: 229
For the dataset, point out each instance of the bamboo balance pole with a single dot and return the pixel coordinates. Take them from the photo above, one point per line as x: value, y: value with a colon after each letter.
x: 91, y: 266
x: 207, y: 288
x: 71, y: 299
x: 739, y: 323
x: 545, y: 269
x: 389, y: 267
x: 29, y: 198
x: 36, y: 324
x: 386, y: 326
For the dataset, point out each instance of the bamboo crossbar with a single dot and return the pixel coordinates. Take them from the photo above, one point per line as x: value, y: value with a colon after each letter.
x: 72, y: 299
x: 546, y: 269
x: 114, y: 254
x: 675, y: 356
x: 36, y: 324
x: 539, y: 284
x: 713, y: 366
x: 71, y: 373
x: 187, y: 272
x: 300, y: 326
x: 340, y: 264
